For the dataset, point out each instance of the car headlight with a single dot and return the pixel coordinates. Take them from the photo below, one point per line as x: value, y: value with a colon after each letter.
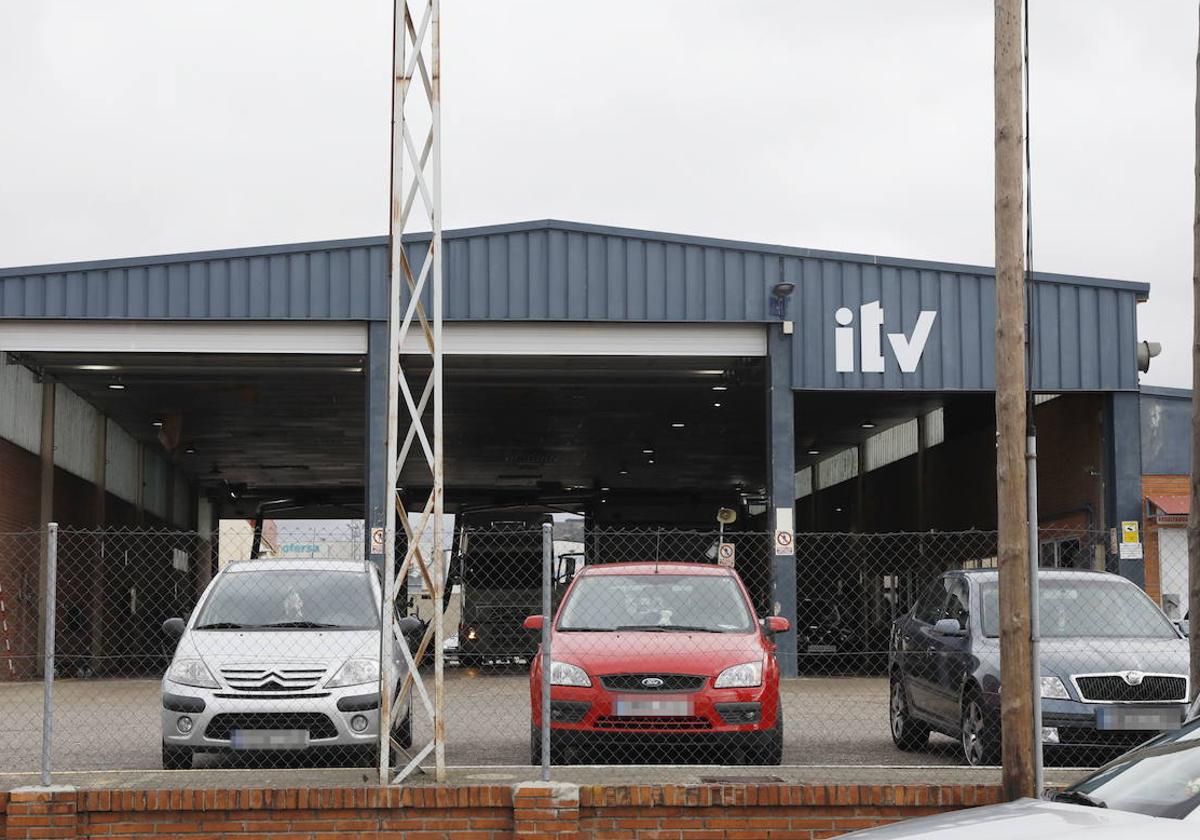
x: 740, y: 676
x: 355, y: 672
x: 191, y: 672
x: 564, y: 673
x: 1054, y: 689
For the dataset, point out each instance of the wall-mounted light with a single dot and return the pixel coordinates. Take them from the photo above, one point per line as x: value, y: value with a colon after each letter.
x: 780, y: 293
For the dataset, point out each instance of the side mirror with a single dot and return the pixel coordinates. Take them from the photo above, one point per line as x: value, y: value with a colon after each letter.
x: 174, y: 628
x: 774, y: 624
x: 948, y: 627
x: 1183, y: 626
x: 409, y: 625
x: 534, y: 622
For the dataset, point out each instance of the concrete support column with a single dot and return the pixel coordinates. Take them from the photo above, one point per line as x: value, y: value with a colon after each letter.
x: 375, y: 456
x: 139, y: 503
x: 99, y: 519
x: 781, y: 488
x: 1123, y: 497
x: 204, y: 532
x: 45, y: 505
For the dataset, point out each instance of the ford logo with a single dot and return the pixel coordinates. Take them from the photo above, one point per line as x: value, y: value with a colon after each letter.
x: 652, y: 682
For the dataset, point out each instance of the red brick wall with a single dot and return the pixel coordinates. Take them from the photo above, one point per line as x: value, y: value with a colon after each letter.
x: 1158, y: 485
x: 20, y: 488
x: 532, y: 810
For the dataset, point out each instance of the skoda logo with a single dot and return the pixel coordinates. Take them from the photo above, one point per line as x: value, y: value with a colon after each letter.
x: 1133, y: 677
x: 652, y: 682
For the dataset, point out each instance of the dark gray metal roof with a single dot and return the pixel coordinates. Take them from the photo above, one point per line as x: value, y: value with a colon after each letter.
x: 564, y: 271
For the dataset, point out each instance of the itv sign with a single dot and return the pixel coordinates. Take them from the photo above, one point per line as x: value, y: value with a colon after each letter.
x: 906, y: 349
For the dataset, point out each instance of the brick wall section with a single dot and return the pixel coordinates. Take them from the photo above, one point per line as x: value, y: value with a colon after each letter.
x: 546, y: 811
x: 530, y: 810
x: 41, y: 813
x: 729, y: 812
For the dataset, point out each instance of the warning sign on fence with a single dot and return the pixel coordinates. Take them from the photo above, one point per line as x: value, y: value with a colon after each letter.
x: 377, y: 541
x: 725, y: 554
x: 784, y: 538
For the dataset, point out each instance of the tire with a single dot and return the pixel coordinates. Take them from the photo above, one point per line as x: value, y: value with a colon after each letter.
x: 535, y: 748
x: 402, y: 733
x: 908, y: 733
x: 979, y: 735
x: 176, y: 758
x: 762, y: 748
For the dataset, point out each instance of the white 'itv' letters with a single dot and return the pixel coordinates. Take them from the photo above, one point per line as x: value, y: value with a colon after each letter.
x: 908, y: 351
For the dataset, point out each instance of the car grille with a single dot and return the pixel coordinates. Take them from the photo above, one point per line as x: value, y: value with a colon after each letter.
x: 1112, y: 688
x: 640, y: 723
x: 222, y: 726
x: 670, y: 682
x: 258, y: 679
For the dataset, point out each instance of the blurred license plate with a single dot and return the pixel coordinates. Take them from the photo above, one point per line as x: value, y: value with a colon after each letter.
x: 1139, y: 719
x: 269, y: 739
x: 822, y: 649
x: 660, y: 707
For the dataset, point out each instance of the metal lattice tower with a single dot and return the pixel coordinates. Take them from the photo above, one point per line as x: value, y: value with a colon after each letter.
x: 415, y: 201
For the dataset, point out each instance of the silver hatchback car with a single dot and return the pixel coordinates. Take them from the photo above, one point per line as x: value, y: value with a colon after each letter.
x: 281, y: 655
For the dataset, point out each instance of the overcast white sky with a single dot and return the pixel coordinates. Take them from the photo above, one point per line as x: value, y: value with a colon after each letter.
x: 135, y: 127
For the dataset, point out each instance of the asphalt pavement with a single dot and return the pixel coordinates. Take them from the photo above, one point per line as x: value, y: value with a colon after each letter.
x: 115, y: 724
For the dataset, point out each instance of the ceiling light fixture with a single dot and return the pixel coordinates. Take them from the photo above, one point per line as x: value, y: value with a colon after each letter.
x: 624, y: 472
x: 711, y: 372
x: 868, y: 425
x: 97, y: 367
x: 190, y: 450
x: 720, y: 388
x: 157, y: 423
x: 677, y: 425
x: 716, y: 405
x: 116, y: 386
x: 651, y: 461
x: 647, y: 451
x: 814, y: 452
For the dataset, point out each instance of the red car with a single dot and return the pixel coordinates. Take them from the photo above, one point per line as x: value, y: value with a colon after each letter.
x: 649, y: 658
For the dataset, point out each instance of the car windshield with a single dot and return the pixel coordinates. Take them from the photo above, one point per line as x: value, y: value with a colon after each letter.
x: 1160, y: 779
x: 290, y: 598
x: 657, y: 603
x: 1087, y: 607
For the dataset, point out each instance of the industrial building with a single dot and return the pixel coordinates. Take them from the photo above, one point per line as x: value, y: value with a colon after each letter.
x: 641, y: 378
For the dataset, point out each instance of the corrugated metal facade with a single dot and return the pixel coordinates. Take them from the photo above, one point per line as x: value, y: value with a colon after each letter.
x: 557, y: 271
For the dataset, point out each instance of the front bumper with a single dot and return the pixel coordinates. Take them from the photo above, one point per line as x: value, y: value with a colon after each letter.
x: 326, y: 715
x: 1076, y: 724
x: 590, y: 713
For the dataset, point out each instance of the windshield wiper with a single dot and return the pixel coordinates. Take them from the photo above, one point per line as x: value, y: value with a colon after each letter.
x: 225, y: 625
x: 303, y: 625
x: 1077, y: 797
x: 669, y: 628
x: 585, y: 629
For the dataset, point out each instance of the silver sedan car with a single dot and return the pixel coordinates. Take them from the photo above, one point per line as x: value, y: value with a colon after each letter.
x: 1152, y: 791
x: 281, y: 655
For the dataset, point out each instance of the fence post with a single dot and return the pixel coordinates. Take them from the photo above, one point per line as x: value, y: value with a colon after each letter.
x: 547, y: 577
x: 48, y: 652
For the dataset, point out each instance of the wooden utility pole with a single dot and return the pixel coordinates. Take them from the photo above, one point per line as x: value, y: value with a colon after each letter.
x: 1193, y: 608
x: 1016, y: 696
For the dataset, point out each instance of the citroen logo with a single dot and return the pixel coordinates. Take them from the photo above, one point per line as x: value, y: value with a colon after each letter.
x: 652, y: 682
x: 1133, y: 677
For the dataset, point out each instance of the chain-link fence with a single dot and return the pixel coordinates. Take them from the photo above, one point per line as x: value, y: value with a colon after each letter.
x: 667, y: 647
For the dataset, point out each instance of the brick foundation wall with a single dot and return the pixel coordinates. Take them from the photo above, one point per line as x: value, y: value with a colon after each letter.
x: 530, y: 810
